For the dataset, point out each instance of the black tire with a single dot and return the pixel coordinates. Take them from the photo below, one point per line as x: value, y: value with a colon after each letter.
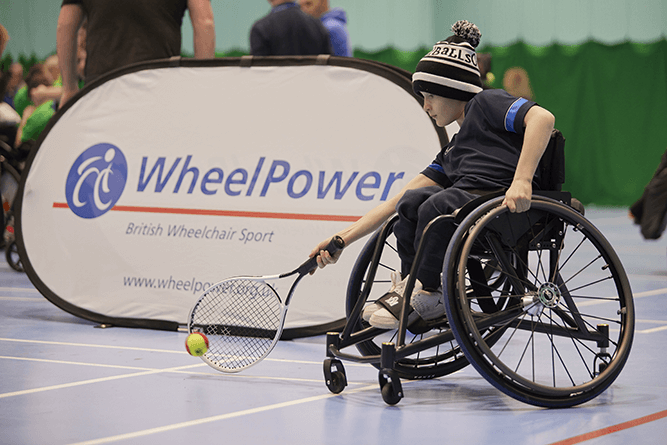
x: 435, y: 362
x: 561, y: 282
x: 389, y: 394
x: 337, y: 383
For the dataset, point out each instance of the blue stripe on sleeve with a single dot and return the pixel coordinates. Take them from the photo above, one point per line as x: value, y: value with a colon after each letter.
x: 436, y: 167
x: 511, y: 114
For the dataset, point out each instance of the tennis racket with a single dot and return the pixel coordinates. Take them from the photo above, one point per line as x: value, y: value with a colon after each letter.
x: 243, y: 317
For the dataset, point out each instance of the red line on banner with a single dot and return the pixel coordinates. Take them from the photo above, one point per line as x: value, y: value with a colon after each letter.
x: 612, y: 429
x: 234, y: 213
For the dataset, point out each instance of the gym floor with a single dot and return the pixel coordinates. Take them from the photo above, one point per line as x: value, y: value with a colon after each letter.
x: 66, y: 380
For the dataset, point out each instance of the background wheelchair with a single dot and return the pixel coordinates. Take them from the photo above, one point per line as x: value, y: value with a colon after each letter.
x: 538, y: 302
x: 11, y: 167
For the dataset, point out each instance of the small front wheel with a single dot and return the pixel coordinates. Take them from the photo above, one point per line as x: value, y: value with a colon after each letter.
x: 390, y: 395
x: 337, y: 382
x: 334, y: 375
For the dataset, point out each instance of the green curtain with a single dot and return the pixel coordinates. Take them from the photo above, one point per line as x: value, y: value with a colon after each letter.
x: 610, y: 102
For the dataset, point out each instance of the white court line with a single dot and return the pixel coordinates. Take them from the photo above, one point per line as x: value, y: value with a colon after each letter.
x: 66, y: 362
x: 175, y: 371
x: 651, y: 330
x: 227, y: 416
x: 79, y: 345
x: 100, y: 380
x: 32, y: 299
x: 643, y: 320
x: 169, y: 351
x: 19, y: 289
x: 649, y: 293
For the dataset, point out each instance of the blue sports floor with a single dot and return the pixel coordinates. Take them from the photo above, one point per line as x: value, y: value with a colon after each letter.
x: 66, y: 381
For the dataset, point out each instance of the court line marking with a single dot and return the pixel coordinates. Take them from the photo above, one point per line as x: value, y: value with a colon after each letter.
x: 170, y: 351
x: 172, y: 370
x: 651, y: 331
x: 612, y: 429
x: 88, y: 345
x: 35, y: 299
x: 220, y: 417
x: 649, y: 293
x: 99, y: 380
x: 19, y: 289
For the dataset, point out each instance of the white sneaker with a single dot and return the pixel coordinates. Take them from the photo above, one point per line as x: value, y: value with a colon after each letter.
x: 429, y: 305
x: 383, y: 318
x: 397, y: 286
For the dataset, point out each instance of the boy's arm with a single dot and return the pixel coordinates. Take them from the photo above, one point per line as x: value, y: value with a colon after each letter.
x: 539, y: 124
x: 369, y: 222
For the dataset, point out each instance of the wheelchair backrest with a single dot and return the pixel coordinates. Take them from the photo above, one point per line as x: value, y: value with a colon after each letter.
x: 551, y: 169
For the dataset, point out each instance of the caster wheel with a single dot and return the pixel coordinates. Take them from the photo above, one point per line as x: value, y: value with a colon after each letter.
x: 389, y: 394
x: 337, y: 383
x: 334, y: 375
x: 12, y: 255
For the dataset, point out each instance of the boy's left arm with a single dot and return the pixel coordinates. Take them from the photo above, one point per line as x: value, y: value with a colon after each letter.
x: 539, y: 124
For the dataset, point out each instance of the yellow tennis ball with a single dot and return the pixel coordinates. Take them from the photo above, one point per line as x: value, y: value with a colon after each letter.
x: 196, y: 344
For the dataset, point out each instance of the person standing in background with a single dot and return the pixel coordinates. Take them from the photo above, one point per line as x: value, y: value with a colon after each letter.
x: 122, y: 32
x: 288, y: 31
x: 334, y: 20
x: 14, y: 82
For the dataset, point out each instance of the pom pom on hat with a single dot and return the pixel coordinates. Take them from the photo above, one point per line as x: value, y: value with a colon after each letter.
x: 467, y: 31
x: 450, y: 69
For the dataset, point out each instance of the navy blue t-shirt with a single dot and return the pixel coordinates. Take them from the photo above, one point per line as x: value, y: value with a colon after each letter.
x: 288, y: 31
x: 485, y: 151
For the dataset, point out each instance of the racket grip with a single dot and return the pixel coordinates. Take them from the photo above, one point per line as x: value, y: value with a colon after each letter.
x: 336, y: 244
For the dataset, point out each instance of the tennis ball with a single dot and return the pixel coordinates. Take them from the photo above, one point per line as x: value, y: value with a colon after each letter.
x: 196, y: 344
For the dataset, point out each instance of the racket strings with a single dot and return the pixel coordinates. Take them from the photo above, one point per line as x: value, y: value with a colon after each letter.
x: 241, y: 318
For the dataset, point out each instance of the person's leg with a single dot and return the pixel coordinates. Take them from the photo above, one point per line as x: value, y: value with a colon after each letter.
x: 406, y: 228
x: 416, y: 209
x: 443, y: 203
x: 384, y: 312
x: 427, y: 299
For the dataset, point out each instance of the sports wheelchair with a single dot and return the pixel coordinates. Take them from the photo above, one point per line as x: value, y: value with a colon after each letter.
x: 538, y: 302
x: 11, y: 167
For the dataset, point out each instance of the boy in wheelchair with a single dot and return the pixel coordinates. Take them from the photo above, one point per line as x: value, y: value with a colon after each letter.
x: 498, y: 147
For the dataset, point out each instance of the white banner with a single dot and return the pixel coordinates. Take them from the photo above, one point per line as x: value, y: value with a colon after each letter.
x: 157, y: 183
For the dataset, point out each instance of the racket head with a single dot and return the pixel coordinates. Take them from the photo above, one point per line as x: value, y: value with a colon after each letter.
x: 242, y: 318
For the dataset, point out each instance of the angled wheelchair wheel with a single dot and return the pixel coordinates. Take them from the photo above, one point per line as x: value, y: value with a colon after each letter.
x: 553, y: 325
x: 437, y: 361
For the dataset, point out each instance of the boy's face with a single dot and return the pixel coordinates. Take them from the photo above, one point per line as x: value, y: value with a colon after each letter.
x: 442, y: 110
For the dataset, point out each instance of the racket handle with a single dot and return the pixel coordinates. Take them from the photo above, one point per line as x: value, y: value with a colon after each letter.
x: 336, y: 244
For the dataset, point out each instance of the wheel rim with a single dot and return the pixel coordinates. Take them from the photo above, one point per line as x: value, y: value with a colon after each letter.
x: 546, y: 346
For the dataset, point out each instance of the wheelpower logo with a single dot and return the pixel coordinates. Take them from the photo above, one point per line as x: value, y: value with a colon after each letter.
x: 96, y: 180
x: 99, y: 176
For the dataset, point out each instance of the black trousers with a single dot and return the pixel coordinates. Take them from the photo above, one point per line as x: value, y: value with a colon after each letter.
x: 416, y: 209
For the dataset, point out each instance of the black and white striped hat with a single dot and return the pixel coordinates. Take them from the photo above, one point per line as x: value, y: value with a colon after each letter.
x: 450, y: 69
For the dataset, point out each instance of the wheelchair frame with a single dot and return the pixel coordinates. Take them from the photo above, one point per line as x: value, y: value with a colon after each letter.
x: 519, y: 307
x: 10, y: 166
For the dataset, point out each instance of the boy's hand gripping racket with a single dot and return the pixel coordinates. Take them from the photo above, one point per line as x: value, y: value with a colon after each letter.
x: 243, y: 317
